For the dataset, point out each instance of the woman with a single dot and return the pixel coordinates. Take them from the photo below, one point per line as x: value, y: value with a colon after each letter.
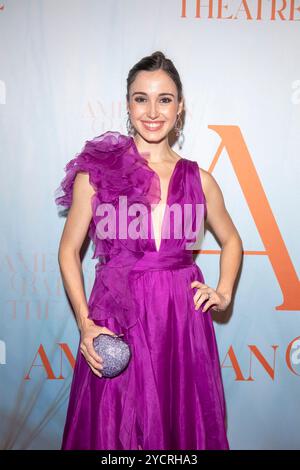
x: 147, y: 288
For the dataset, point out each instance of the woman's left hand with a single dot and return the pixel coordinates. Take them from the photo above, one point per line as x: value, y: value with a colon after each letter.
x: 206, y: 293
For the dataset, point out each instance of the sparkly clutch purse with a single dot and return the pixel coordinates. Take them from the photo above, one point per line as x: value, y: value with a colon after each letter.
x: 115, y: 353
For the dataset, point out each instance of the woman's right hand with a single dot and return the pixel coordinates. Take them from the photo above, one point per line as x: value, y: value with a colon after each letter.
x: 88, y: 333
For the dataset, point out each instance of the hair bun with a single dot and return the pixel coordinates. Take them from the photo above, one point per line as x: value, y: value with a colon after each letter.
x: 158, y: 54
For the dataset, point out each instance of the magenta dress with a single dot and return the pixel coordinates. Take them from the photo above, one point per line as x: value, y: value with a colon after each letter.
x: 171, y: 394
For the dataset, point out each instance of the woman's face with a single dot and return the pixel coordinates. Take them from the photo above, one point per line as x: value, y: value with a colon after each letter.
x: 153, y: 105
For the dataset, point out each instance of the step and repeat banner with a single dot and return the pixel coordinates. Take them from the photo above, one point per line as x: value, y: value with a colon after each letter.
x: 63, y: 71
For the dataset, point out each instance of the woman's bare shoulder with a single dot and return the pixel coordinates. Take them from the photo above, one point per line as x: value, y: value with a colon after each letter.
x: 205, y: 177
x: 209, y: 183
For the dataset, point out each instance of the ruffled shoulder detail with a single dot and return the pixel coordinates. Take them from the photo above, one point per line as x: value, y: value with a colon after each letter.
x: 115, y: 167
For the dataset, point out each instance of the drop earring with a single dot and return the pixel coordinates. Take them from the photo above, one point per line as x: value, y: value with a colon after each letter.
x: 179, y: 131
x: 129, y: 126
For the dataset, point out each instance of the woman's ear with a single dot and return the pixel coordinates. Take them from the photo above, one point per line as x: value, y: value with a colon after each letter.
x: 180, y: 106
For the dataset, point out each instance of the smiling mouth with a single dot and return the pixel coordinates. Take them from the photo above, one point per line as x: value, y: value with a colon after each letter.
x: 153, y: 126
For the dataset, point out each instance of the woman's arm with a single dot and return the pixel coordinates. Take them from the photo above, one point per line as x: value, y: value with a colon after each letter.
x: 223, y: 227
x: 74, y: 233
x: 220, y: 221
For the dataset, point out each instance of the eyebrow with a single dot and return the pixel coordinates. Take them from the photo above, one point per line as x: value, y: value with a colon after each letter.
x: 143, y: 93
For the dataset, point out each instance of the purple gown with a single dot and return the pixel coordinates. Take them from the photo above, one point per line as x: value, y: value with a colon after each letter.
x: 171, y: 394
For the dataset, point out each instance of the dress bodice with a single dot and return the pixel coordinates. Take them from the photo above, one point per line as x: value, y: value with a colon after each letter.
x: 122, y: 227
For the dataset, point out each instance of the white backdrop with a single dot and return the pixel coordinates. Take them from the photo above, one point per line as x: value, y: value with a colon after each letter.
x: 63, y: 71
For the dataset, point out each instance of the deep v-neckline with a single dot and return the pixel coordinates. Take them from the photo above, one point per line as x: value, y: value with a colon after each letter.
x: 167, y: 198
x: 166, y: 205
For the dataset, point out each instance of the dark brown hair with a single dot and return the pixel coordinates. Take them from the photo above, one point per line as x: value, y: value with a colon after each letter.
x: 155, y: 61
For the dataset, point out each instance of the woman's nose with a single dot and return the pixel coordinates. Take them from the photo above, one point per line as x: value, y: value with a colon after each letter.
x: 152, y: 110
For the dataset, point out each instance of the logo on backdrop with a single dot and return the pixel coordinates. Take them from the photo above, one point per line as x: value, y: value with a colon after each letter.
x: 291, y: 359
x: 232, y: 140
x: 273, y: 10
x: 242, y: 371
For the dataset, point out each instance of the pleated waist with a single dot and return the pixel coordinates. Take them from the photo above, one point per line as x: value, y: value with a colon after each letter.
x: 113, y: 294
x: 155, y: 260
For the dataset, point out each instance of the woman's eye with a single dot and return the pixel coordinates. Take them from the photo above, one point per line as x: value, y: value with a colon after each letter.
x: 139, y: 99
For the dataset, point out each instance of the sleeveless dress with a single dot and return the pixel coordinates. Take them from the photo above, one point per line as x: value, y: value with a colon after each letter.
x: 171, y: 394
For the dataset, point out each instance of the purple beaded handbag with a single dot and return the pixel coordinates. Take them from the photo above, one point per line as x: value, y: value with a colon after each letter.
x: 115, y: 353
